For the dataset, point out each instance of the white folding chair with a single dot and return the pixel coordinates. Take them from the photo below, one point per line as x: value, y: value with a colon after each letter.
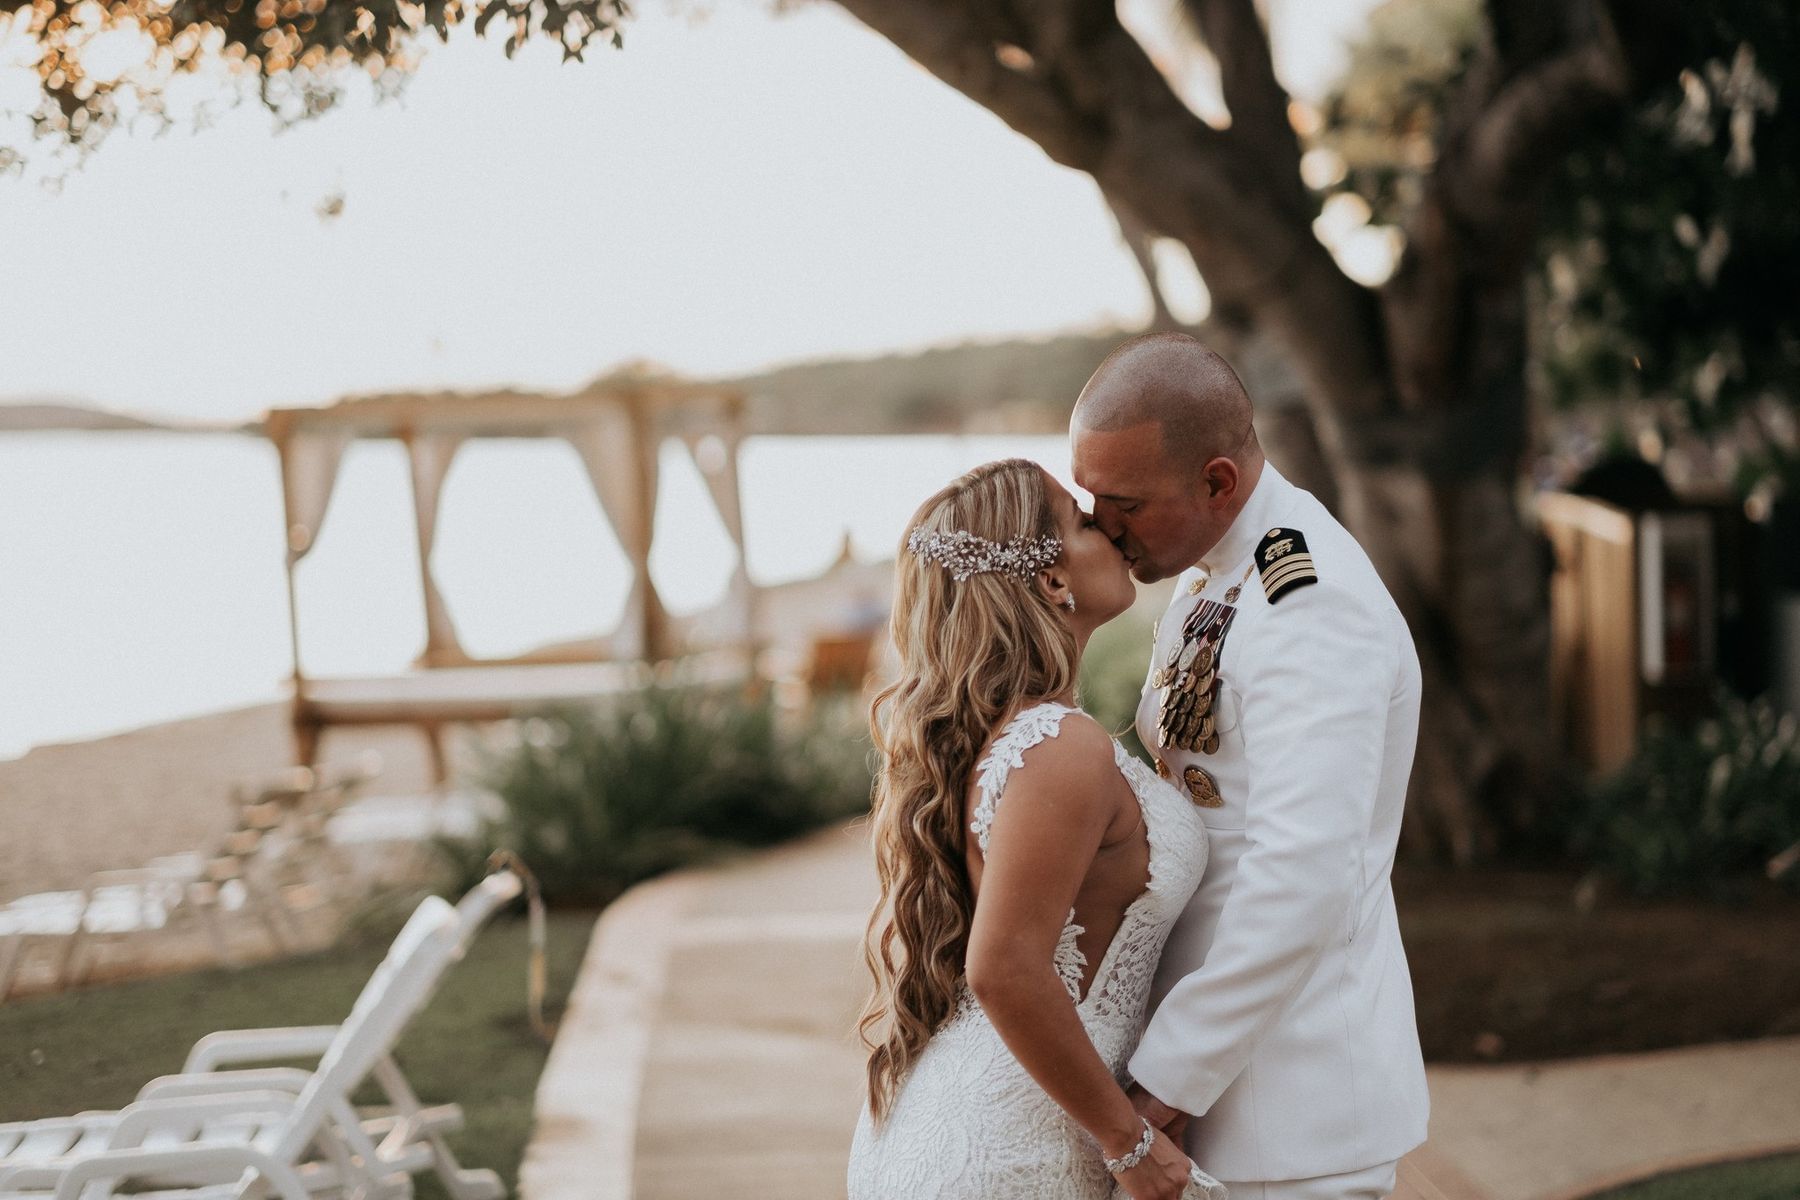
x: 210, y: 1132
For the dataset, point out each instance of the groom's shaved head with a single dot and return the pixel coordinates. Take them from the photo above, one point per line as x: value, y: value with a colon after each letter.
x: 1187, y: 390
x: 1162, y: 438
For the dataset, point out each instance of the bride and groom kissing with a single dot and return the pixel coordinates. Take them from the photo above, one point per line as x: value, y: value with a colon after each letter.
x: 1094, y: 979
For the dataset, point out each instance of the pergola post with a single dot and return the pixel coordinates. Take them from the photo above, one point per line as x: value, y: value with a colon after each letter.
x: 295, y: 539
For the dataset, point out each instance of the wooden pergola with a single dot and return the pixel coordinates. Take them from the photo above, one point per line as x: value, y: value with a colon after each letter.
x: 617, y: 426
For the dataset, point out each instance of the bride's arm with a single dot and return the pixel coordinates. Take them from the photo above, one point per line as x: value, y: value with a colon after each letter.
x: 1056, y: 812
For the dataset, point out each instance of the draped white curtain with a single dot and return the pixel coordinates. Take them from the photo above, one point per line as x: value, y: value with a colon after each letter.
x: 309, y: 471
x: 718, y: 466
x: 429, y: 456
x: 618, y: 446
x: 621, y: 463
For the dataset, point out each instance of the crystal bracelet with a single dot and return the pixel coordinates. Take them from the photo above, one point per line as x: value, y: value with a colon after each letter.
x: 1137, y: 1154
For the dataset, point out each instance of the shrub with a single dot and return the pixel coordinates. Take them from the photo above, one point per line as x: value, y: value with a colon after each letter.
x: 599, y: 797
x: 1112, y: 676
x: 1698, y: 807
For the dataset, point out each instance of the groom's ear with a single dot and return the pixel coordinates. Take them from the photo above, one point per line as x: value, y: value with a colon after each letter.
x: 1221, y: 477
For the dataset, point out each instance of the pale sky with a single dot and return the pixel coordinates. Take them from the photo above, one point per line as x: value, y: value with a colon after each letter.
x: 723, y: 194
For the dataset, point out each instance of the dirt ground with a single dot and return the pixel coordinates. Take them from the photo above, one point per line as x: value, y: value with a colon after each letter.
x: 1506, y: 966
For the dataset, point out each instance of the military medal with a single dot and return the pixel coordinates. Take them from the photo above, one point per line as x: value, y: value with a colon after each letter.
x: 1189, y: 681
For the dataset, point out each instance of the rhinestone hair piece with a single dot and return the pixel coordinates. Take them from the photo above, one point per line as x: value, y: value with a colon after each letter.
x: 964, y: 554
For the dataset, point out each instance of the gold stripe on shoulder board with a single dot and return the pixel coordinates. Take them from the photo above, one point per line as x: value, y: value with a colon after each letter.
x: 1284, y: 562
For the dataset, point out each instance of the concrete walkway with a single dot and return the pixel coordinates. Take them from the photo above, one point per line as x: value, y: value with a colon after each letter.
x: 708, y: 1051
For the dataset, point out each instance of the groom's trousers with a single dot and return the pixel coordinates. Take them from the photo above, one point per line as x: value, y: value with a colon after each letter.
x: 1370, y: 1183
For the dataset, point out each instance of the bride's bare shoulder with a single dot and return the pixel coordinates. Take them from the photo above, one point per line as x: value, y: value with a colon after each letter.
x: 1062, y: 792
x: 1080, y: 754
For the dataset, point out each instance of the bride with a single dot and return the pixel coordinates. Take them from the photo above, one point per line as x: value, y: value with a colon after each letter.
x: 1012, y: 966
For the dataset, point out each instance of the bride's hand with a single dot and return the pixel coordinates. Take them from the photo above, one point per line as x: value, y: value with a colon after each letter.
x: 1163, y: 1175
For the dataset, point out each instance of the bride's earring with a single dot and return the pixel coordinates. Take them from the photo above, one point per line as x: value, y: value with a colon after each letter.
x: 1069, y: 602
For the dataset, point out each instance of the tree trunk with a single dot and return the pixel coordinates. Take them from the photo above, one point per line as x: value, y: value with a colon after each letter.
x: 1142, y: 243
x: 1472, y: 580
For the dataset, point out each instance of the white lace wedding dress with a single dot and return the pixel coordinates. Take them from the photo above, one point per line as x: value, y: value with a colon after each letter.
x: 969, y: 1123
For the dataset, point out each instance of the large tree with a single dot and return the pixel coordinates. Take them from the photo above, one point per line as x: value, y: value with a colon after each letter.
x: 1416, y: 388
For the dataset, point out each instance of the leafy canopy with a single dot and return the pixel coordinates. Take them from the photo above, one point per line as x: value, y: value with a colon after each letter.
x: 103, y: 62
x: 1670, y: 236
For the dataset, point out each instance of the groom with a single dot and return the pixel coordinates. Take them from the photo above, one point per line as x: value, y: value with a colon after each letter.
x: 1283, y: 696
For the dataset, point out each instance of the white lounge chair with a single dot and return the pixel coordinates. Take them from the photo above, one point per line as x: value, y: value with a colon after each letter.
x: 209, y: 1132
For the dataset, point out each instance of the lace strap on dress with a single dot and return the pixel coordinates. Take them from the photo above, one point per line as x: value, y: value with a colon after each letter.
x: 1028, y: 727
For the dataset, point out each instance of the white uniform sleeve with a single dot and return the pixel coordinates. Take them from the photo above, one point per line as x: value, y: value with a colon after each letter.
x: 1314, y: 689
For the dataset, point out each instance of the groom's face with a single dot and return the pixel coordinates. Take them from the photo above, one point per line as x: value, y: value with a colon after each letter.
x: 1160, y: 514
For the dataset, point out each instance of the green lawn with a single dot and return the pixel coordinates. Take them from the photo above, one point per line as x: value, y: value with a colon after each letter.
x: 1775, y: 1178
x: 472, y: 1044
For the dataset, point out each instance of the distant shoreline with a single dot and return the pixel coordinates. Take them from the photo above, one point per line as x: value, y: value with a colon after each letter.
x: 79, y: 418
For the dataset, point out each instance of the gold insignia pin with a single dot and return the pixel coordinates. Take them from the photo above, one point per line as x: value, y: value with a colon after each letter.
x: 1201, y: 787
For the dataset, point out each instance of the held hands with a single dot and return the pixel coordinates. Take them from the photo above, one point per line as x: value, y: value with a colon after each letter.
x: 1171, y: 1121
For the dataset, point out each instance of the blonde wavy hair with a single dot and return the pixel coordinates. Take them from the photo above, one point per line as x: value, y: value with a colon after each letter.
x: 971, y: 653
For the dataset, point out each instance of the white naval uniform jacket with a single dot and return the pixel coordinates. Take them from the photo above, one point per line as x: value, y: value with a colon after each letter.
x: 1282, y: 1014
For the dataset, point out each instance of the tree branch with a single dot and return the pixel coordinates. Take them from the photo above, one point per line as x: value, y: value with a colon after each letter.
x: 1523, y: 33
x: 955, y: 43
x: 1234, y: 33
x: 1545, y: 69
x: 1073, y: 80
x: 1141, y: 241
x: 1526, y: 126
x: 1082, y: 88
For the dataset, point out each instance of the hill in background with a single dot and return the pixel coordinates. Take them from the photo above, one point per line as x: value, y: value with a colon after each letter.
x: 1014, y: 386
x: 1019, y: 386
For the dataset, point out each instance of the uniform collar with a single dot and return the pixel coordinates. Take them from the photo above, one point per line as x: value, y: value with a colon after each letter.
x: 1268, y: 499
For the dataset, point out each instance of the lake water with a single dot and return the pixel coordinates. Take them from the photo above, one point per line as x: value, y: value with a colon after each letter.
x: 141, y: 573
